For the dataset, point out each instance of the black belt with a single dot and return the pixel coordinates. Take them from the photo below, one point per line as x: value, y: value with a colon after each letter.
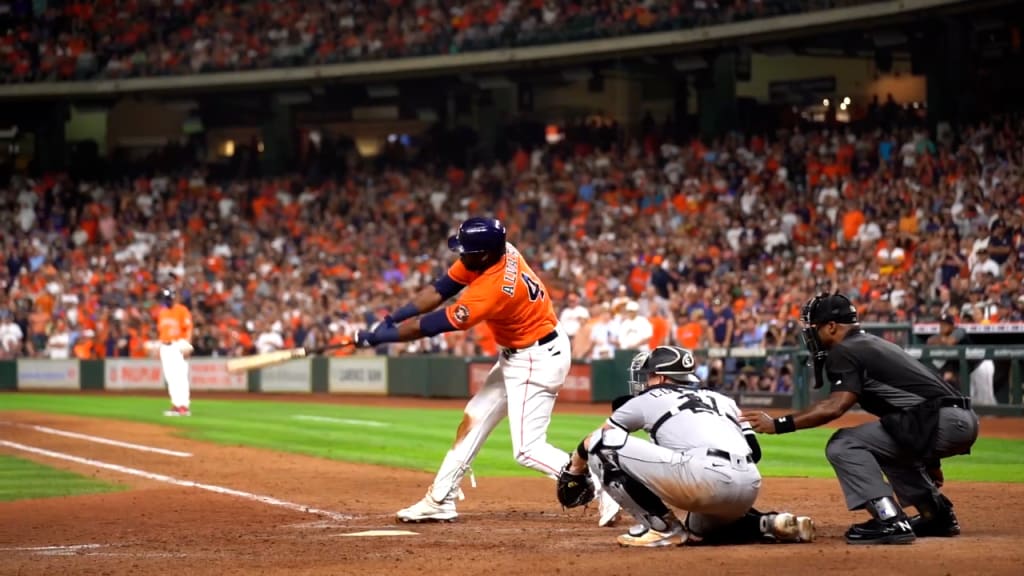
x: 549, y: 338
x: 716, y: 453
x: 955, y: 402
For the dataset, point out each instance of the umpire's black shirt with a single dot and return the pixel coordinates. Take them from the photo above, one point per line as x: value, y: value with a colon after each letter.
x: 882, y: 375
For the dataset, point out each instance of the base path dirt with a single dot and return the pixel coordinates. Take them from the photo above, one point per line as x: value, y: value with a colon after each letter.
x: 506, y: 525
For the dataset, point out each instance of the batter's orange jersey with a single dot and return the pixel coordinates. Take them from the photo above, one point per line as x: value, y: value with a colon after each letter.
x: 508, y: 296
x: 174, y: 323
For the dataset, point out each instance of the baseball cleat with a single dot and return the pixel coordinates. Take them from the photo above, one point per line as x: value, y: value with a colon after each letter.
x: 786, y: 527
x: 609, y: 509
x: 875, y: 532
x: 651, y: 538
x: 178, y: 411
x: 428, y: 510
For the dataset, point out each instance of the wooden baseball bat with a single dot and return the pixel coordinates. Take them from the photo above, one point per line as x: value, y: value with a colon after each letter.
x: 255, y: 361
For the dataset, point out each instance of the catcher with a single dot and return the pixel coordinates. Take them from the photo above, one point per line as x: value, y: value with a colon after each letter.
x: 700, y: 459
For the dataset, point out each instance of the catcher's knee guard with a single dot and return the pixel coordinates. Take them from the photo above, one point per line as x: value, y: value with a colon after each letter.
x: 635, y: 497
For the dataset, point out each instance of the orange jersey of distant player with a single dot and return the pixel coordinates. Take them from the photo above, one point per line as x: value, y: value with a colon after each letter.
x: 174, y: 323
x: 508, y: 296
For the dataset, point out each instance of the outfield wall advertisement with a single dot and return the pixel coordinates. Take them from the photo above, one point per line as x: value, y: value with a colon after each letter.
x: 212, y: 374
x: 132, y: 374
x: 367, y: 375
x: 576, y: 388
x: 293, y: 376
x: 48, y: 374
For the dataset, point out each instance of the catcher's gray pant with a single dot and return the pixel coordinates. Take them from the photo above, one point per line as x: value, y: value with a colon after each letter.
x: 859, y: 455
x: 714, y: 490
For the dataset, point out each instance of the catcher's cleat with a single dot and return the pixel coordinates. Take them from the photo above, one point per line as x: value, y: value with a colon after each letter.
x: 896, y: 531
x: 609, y: 509
x: 642, y: 537
x: 429, y: 510
x: 786, y: 527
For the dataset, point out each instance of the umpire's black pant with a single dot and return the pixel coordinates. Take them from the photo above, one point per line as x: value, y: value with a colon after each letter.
x: 861, y: 454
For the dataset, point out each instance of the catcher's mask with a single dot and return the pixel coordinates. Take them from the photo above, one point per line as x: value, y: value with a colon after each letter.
x: 819, y: 311
x: 675, y: 363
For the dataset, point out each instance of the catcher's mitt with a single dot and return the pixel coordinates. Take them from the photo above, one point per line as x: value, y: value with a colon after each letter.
x: 574, y: 489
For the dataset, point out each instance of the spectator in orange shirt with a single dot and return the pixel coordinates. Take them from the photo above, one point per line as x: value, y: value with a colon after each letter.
x: 85, y: 348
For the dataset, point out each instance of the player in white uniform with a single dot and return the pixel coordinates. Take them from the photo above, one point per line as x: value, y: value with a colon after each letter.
x: 700, y: 459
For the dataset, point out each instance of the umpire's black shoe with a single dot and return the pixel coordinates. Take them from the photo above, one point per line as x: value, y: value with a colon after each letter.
x: 942, y: 525
x: 896, y: 531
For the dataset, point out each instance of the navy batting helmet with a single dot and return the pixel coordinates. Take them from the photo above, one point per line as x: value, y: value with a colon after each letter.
x: 674, y: 362
x: 478, y: 234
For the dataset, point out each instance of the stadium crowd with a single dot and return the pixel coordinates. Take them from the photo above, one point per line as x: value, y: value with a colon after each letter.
x: 77, y: 40
x: 703, y: 244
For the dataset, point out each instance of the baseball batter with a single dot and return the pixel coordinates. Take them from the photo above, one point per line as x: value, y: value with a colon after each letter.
x: 174, y: 325
x: 700, y: 459
x: 495, y: 285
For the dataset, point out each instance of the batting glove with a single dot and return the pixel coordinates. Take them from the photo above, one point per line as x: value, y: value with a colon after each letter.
x: 365, y: 339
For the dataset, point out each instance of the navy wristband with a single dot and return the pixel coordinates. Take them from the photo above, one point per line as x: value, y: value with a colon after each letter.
x: 404, y: 313
x: 785, y: 424
x: 385, y: 333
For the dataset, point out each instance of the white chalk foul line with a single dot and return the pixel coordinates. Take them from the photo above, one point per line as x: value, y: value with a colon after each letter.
x: 108, y: 441
x: 371, y: 423
x: 67, y: 548
x: 177, y: 482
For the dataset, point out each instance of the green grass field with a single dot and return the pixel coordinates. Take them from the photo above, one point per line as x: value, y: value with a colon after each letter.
x: 21, y: 479
x: 418, y: 439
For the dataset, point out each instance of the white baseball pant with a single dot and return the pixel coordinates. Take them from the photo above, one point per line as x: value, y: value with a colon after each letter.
x: 715, y: 487
x: 523, y: 384
x: 175, y: 370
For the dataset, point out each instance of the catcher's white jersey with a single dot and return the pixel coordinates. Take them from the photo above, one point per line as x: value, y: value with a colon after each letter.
x: 695, y: 418
x: 698, y: 459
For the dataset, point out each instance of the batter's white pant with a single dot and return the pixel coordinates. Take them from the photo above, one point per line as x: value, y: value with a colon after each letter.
x: 981, y: 383
x: 523, y: 384
x: 175, y: 369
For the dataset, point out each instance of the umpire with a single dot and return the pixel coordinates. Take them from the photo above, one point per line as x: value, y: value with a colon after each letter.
x: 922, y: 419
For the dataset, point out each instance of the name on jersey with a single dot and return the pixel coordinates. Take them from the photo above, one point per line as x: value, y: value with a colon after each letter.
x: 511, y: 272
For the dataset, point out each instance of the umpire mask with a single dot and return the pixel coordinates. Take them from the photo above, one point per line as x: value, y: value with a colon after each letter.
x: 821, y: 310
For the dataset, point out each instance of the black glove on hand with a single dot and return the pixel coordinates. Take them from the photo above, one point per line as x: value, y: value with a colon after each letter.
x: 574, y: 489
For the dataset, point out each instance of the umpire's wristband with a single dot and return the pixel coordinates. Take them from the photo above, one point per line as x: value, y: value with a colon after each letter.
x: 785, y: 424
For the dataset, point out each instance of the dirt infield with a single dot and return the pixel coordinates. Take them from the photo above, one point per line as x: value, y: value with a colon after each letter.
x: 507, y: 526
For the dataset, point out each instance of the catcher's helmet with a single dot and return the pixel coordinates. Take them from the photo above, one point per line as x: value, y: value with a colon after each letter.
x: 166, y: 296
x: 478, y: 235
x: 675, y: 363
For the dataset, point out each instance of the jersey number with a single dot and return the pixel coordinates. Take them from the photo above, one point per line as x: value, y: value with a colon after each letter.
x: 698, y: 404
x: 533, y: 289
